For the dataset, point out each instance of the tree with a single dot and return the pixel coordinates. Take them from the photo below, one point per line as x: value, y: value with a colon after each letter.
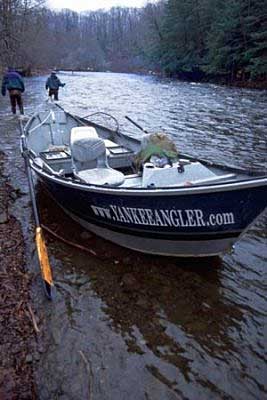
x: 15, y: 20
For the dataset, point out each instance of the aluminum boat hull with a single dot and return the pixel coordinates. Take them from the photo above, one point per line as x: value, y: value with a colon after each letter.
x: 167, y: 211
x: 196, y: 222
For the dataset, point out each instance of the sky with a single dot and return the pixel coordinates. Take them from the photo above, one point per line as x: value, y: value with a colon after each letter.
x: 84, y: 5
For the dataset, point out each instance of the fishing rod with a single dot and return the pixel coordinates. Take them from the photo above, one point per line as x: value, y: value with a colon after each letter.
x: 39, y: 237
x: 136, y: 124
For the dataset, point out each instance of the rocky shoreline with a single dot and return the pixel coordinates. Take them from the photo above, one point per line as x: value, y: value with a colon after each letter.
x: 18, y: 322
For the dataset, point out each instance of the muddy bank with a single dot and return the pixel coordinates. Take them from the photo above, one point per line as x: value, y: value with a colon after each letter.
x: 17, y: 331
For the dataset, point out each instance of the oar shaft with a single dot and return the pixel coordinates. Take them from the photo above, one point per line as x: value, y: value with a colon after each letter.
x: 32, y: 193
x: 25, y: 154
x: 39, y: 238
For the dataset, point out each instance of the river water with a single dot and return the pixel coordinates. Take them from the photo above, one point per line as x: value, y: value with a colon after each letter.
x: 129, y: 326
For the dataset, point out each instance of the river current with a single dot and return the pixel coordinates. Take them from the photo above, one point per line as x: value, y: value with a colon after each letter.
x: 129, y: 326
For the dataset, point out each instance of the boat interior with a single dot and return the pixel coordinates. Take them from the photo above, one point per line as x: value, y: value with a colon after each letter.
x: 71, y: 148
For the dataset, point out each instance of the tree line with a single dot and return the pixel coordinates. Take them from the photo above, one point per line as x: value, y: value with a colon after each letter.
x: 191, y: 39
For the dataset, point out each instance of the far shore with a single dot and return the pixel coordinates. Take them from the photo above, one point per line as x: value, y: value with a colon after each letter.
x: 219, y: 80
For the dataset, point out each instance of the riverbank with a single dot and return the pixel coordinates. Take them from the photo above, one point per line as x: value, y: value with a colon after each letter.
x: 17, y: 328
x: 221, y: 80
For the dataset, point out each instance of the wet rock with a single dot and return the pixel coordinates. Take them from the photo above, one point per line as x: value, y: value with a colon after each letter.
x: 22, y: 192
x: 13, y: 195
x: 56, y: 334
x: 29, y: 359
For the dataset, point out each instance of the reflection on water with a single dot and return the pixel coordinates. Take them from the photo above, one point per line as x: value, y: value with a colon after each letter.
x: 127, y: 325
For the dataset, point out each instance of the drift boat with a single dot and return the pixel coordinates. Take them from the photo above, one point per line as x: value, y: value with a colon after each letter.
x: 190, y: 208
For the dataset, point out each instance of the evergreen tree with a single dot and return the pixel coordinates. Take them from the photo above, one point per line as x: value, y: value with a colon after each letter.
x: 256, y: 53
x: 184, y: 27
x: 237, y: 42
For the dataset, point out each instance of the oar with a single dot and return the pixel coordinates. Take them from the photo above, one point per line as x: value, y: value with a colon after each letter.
x: 136, y: 124
x: 39, y: 237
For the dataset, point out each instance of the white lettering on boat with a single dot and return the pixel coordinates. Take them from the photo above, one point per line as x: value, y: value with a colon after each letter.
x: 160, y: 217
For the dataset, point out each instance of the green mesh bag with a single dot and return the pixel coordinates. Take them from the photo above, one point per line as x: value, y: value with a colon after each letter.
x: 156, y: 144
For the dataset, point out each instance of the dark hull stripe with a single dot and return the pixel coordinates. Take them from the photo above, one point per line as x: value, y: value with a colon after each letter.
x: 175, y: 236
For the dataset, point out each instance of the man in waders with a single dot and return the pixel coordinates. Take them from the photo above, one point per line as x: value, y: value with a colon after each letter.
x: 13, y: 82
x: 53, y: 84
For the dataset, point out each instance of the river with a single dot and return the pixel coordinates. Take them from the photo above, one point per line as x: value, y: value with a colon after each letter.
x: 129, y: 326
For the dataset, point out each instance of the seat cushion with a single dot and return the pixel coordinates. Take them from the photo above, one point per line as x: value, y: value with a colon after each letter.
x: 101, y: 176
x: 81, y: 132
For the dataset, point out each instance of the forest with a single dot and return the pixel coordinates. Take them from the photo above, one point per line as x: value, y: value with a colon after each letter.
x: 221, y: 40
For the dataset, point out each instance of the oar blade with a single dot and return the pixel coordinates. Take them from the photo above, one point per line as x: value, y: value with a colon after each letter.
x: 49, y: 290
x: 44, y: 263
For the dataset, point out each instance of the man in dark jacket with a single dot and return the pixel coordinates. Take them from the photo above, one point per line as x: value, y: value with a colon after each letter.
x: 13, y: 82
x: 53, y: 84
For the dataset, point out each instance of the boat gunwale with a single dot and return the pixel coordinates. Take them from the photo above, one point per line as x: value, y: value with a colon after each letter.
x: 190, y: 190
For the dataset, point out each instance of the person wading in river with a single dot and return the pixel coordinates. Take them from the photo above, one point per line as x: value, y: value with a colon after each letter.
x: 53, y: 84
x: 13, y: 82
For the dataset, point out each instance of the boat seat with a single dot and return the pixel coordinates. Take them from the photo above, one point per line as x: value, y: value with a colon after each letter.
x: 78, y: 138
x: 88, y: 150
